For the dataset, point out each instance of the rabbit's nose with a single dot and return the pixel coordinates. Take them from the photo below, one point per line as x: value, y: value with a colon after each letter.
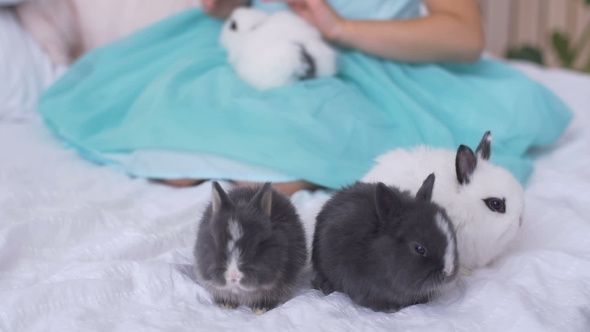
x: 448, y: 272
x: 235, y: 276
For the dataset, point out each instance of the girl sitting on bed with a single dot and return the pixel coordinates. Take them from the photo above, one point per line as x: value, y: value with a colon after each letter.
x: 164, y: 103
x: 451, y: 32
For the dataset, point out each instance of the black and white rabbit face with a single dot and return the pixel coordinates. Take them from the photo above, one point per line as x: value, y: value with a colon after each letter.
x: 245, y: 254
x: 429, y: 257
x: 420, y: 238
x: 491, y: 202
x: 497, y: 189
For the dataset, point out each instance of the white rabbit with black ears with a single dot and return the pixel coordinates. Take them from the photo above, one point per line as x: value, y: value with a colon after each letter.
x: 273, y: 50
x: 484, y: 201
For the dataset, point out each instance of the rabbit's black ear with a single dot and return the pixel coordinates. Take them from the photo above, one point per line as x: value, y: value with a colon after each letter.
x: 425, y: 192
x: 465, y: 164
x: 263, y: 199
x: 484, y: 149
x: 219, y: 198
x: 387, y: 203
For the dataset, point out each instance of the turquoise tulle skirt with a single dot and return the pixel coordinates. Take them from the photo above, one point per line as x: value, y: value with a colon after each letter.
x: 165, y: 103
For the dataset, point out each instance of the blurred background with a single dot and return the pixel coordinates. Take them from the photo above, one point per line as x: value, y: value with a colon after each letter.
x: 551, y: 32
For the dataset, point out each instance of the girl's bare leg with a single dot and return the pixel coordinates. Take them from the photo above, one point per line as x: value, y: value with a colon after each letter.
x: 182, y: 182
x: 287, y: 188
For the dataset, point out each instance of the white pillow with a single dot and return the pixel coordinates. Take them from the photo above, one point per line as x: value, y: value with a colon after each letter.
x: 67, y: 28
x: 25, y: 69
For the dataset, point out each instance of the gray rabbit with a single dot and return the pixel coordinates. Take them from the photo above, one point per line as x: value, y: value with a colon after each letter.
x: 250, y: 248
x: 384, y: 248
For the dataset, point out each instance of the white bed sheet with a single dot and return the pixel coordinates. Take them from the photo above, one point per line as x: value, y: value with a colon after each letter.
x: 84, y: 248
x: 25, y: 70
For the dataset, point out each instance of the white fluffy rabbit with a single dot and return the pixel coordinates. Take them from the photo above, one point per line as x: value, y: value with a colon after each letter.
x: 272, y: 50
x: 484, y: 201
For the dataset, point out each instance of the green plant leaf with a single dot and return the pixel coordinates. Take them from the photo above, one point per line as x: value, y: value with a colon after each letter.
x: 561, y: 45
x: 527, y: 53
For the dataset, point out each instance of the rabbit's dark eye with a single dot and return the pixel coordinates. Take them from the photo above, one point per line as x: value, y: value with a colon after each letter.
x: 233, y: 26
x: 496, y: 204
x: 420, y: 250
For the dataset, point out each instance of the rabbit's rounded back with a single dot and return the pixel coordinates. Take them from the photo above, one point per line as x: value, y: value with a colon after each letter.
x: 273, y: 50
x: 250, y: 245
x: 484, y: 201
x: 384, y: 248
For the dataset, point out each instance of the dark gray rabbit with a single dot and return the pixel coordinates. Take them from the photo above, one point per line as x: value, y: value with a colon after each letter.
x: 383, y: 247
x: 250, y: 248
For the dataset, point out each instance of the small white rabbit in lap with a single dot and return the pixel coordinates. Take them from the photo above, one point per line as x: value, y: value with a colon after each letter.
x: 484, y: 201
x: 273, y: 50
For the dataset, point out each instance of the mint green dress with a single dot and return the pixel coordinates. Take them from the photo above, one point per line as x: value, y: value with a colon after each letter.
x: 165, y: 103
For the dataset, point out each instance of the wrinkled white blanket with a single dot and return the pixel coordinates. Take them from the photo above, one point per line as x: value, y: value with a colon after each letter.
x: 84, y: 248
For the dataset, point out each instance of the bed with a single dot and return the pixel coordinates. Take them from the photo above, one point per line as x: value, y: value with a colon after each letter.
x: 85, y: 248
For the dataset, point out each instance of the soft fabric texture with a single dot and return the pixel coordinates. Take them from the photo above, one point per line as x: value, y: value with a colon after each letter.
x: 25, y: 70
x: 83, y: 248
x: 169, y: 87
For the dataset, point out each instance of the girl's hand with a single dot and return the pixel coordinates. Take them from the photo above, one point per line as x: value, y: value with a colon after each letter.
x: 221, y: 8
x: 319, y: 14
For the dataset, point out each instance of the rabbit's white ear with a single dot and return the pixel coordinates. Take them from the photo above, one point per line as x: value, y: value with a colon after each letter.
x: 465, y: 164
x: 484, y: 149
